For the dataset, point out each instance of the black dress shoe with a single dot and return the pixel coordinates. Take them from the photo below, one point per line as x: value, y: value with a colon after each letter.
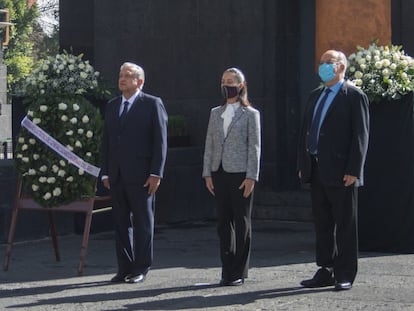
x: 118, y: 278
x: 137, y: 278
x: 224, y: 282
x: 323, y: 277
x: 343, y: 286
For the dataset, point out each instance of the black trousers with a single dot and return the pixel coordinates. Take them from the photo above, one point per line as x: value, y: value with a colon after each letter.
x: 133, y: 212
x: 234, y: 224
x: 335, y: 216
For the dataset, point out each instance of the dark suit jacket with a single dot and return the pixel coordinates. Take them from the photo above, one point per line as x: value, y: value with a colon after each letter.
x: 343, y: 137
x: 139, y: 147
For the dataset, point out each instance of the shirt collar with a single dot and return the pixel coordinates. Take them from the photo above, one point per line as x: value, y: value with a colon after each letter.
x: 235, y: 106
x: 337, y: 86
x: 131, y: 99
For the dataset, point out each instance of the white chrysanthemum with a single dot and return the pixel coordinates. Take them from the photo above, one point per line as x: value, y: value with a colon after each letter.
x: 74, y: 120
x: 47, y: 196
x: 85, y: 119
x: 36, y: 156
x: 89, y: 134
x: 32, y: 172
x: 64, y: 118
x: 51, y: 180
x: 42, y: 179
x: 76, y: 107
x: 36, y: 121
x: 62, y: 106
x: 35, y: 187
x: 43, y: 108
x: 57, y: 192
x: 43, y: 168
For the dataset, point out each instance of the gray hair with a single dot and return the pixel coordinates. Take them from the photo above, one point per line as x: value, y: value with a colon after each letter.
x: 137, y: 70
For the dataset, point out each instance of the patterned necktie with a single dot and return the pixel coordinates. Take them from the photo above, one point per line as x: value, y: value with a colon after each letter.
x: 124, y: 113
x: 314, y: 129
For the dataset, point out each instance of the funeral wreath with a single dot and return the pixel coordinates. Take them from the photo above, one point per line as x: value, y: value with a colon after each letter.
x: 382, y: 72
x: 57, y: 150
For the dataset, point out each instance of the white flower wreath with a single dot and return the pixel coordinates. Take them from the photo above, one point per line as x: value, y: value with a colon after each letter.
x: 56, y: 104
x: 382, y: 72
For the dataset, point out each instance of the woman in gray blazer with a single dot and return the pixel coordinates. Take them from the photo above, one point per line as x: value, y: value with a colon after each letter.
x: 230, y: 170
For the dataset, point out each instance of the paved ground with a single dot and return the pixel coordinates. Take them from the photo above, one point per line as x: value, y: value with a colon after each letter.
x: 186, y: 272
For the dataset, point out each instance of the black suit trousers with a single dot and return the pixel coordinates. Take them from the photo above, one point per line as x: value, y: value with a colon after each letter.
x: 133, y: 212
x: 234, y: 224
x: 335, y: 216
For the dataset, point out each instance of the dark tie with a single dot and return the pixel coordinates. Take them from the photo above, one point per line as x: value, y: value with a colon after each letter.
x: 124, y: 113
x: 313, y: 131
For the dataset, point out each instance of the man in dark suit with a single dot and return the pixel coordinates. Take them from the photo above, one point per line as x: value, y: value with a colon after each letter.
x: 134, y: 150
x: 331, y: 155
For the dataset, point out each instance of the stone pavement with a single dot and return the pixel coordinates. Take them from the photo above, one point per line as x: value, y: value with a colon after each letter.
x: 186, y: 272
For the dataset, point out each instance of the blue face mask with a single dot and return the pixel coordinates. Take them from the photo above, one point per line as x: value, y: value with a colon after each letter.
x: 326, y: 72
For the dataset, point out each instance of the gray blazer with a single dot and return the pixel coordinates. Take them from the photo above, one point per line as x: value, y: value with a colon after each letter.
x: 239, y: 151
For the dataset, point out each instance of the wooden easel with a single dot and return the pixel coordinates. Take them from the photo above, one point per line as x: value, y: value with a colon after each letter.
x: 89, y: 206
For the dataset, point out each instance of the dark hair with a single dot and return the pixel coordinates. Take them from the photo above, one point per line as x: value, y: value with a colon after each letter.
x: 244, y: 101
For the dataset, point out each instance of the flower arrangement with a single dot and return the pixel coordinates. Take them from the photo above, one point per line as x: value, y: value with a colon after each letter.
x: 63, y: 74
x: 57, y: 105
x: 382, y: 72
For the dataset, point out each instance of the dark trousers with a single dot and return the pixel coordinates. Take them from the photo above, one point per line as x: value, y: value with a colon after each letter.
x: 335, y: 215
x: 133, y: 212
x: 234, y: 224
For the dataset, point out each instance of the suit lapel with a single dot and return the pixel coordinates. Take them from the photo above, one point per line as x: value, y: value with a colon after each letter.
x: 134, y: 106
x: 337, y: 100
x: 239, y: 112
x: 221, y: 121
